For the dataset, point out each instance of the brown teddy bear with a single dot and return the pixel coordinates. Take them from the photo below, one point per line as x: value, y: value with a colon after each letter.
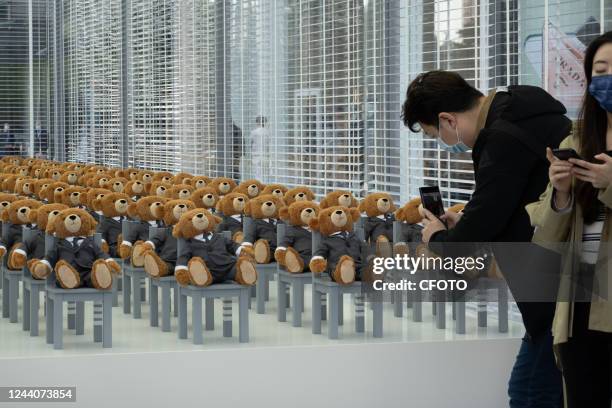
x: 114, y: 208
x: 115, y: 184
x: 181, y: 191
x: 35, y: 247
x: 92, y: 201
x: 100, y: 181
x: 301, y: 193
x: 231, y: 208
x: 182, y: 178
x: 205, y: 197
x: 145, y: 176
x: 340, y: 253
x: 25, y: 187
x: 206, y: 257
x: 295, y: 249
x: 70, y: 177
x: 76, y: 259
x: 71, y: 196
x: 5, y: 201
x: 53, y: 192
x: 223, y: 185
x: 9, y: 183
x: 14, y: 217
x: 251, y: 188
x: 378, y: 226
x: 22, y: 171
x: 159, y: 188
x: 160, y: 252
x: 410, y: 232
x: 147, y: 211
x: 277, y: 190
x: 261, y: 240
x: 163, y: 176
x: 198, y: 182
x: 339, y: 197
x: 135, y: 189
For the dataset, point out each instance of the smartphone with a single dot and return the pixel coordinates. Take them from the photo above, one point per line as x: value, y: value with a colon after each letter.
x: 432, y: 200
x: 566, y: 154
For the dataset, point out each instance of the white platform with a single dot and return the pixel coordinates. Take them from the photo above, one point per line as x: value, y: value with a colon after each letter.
x: 414, y: 365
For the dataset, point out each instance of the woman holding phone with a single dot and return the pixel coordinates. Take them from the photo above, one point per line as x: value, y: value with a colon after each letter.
x: 574, y: 213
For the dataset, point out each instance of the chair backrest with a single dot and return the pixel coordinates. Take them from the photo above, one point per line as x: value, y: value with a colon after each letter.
x: 50, y: 245
x: 316, y: 240
x: 157, y: 231
x: 248, y: 226
x: 397, y: 231
x: 281, y: 230
x: 6, y: 226
x: 27, y: 235
x: 227, y: 234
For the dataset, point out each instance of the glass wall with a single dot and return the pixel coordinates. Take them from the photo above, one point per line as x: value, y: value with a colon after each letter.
x: 290, y: 91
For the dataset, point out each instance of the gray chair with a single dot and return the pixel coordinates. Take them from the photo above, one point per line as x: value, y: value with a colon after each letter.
x: 10, y: 286
x: 265, y: 274
x: 166, y: 284
x: 32, y: 288
x: 414, y: 299
x: 293, y: 283
x: 323, y: 286
x: 102, y: 301
x: 225, y: 291
x: 134, y: 281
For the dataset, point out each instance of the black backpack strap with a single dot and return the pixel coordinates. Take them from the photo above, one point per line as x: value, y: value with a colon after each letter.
x: 520, y: 134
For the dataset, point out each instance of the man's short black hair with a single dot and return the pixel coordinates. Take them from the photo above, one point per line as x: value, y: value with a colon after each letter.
x: 437, y: 91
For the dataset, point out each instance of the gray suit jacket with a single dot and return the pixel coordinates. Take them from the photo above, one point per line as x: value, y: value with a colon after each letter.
x: 12, y: 236
x: 229, y: 224
x: 138, y: 231
x: 299, y: 239
x: 165, y: 246
x: 219, y: 254
x: 110, y: 230
x: 263, y: 230
x: 80, y: 257
x: 334, y: 246
x: 373, y: 227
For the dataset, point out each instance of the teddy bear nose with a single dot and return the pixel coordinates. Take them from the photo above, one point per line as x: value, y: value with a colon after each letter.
x: 268, y: 203
x: 209, y: 196
x: 181, y: 206
x: 300, y: 195
x: 339, y: 212
x: 345, y: 195
x: 23, y: 210
x: 4, y: 203
x: 162, y: 188
x: 225, y: 184
x: 384, y: 200
x: 200, y: 215
x: 122, y: 201
x: 72, y: 217
x: 184, y: 191
x: 75, y: 194
x: 240, y: 199
x: 138, y: 183
x: 277, y: 191
x: 309, y: 210
x: 117, y: 183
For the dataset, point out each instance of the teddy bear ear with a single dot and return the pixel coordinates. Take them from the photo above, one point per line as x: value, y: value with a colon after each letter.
x: 217, y: 219
x: 355, y: 214
x: 247, y: 209
x: 323, y: 203
x: 33, y: 216
x: 283, y: 213
x: 176, y: 230
x: 132, y: 209
x: 5, y: 216
x: 362, y: 205
x: 399, y: 213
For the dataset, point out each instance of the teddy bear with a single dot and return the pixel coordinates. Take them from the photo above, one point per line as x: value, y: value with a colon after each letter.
x: 135, y: 189
x: 70, y: 177
x: 115, y: 184
x: 181, y: 191
x: 231, y: 208
x: 277, y: 190
x: 340, y: 253
x: 53, y: 192
x: 76, y: 259
x: 147, y: 211
x: 295, y: 249
x: 182, y: 178
x: 72, y: 196
x: 163, y: 176
x: 54, y: 173
x: 223, y: 185
x: 26, y: 252
x: 145, y: 176
x: 99, y: 181
x: 159, y: 188
x: 5, y: 201
x: 160, y: 252
x: 13, y: 218
x: 378, y: 225
x: 198, y: 182
x: 131, y: 173
x: 92, y: 201
x: 251, y: 188
x: 339, y: 197
x: 38, y: 186
x: 205, y: 197
x: 114, y: 208
x: 25, y: 187
x: 410, y: 230
x: 22, y: 171
x: 9, y: 183
x: 301, y: 193
x: 261, y: 239
x: 207, y: 257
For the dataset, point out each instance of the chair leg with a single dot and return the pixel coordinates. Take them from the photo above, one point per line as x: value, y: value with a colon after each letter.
x: 334, y: 313
x: 137, y: 308
x: 377, y: 319
x: 107, y: 321
x: 281, y: 300
x: 196, y: 319
x: 98, y: 316
x: 175, y: 301
x: 460, y: 316
x: 359, y: 314
x: 71, y: 315
x: 49, y: 319
x: 34, y: 306
x: 209, y: 304
x: 26, y: 308
x: 243, y: 316
x: 323, y: 306
x: 260, y: 288
x: 143, y: 289
x: 502, y: 307
x: 298, y: 303
x: 14, y: 294
x: 340, y: 309
x: 165, y: 306
x: 58, y: 317
x: 182, y: 315
x: 317, y: 310
x: 153, y: 305
x: 127, y: 291
x: 227, y: 317
x: 80, y: 318
x: 398, y: 304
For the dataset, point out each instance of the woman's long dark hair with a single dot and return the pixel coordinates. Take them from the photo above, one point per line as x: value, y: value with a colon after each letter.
x: 591, y: 131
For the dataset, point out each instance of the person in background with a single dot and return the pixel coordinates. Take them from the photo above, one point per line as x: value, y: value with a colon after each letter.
x: 41, y: 141
x: 260, y: 149
x: 575, y: 208
x: 508, y: 132
x: 7, y: 141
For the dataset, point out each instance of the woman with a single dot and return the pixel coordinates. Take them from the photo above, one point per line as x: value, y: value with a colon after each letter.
x: 575, y: 210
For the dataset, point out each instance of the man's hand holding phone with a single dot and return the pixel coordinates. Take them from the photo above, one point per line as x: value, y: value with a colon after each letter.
x: 431, y: 224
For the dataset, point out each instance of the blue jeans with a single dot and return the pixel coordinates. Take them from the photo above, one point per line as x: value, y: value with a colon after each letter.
x: 536, y: 381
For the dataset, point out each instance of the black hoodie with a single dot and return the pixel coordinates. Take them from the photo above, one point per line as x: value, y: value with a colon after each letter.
x: 511, y: 171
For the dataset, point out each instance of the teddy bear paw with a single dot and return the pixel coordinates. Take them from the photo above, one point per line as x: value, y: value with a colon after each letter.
x: 318, y: 265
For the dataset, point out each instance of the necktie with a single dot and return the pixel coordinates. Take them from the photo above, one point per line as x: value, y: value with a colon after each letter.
x: 75, y: 241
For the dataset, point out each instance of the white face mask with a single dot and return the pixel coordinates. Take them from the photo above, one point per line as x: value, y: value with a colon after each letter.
x: 458, y: 147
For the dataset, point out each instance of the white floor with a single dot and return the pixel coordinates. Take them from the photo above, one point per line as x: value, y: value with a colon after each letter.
x: 135, y: 335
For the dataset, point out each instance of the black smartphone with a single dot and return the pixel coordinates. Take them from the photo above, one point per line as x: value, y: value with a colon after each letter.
x: 566, y: 154
x: 432, y: 200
